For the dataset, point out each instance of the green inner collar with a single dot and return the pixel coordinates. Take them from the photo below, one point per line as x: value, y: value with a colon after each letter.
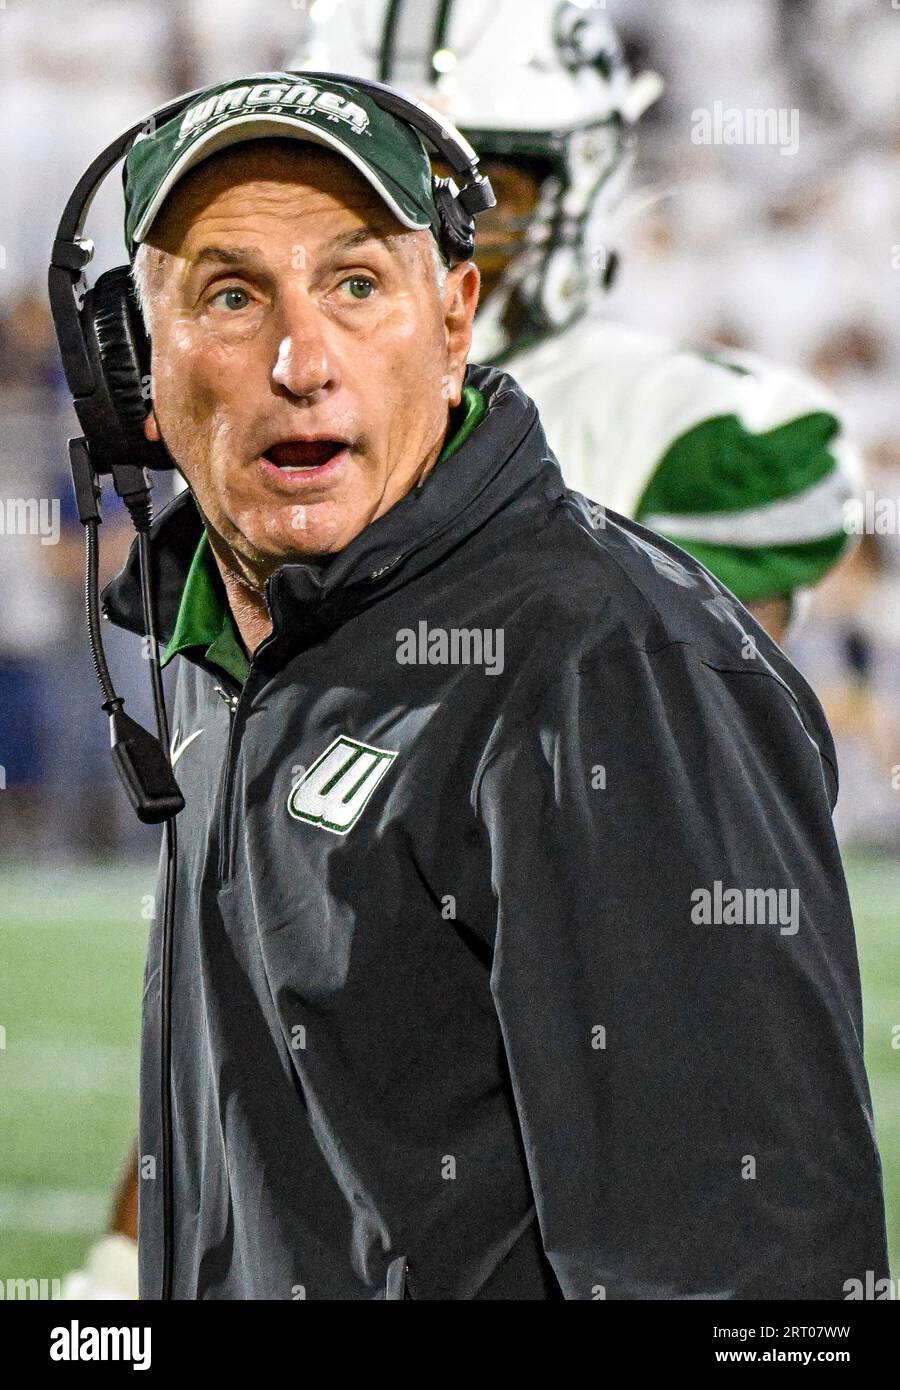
x: 204, y: 618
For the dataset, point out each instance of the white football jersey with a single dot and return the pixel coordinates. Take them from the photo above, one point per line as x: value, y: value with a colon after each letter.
x: 720, y: 451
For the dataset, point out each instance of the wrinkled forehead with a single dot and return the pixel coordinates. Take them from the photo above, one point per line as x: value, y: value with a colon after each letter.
x: 271, y: 181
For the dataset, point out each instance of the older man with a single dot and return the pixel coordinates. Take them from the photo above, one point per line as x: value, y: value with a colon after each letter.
x: 513, y: 958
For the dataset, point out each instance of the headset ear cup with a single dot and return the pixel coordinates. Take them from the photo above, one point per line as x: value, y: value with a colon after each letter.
x: 120, y: 350
x: 457, y: 226
x: 123, y: 346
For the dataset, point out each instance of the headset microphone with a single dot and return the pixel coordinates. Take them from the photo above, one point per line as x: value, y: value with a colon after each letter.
x: 106, y: 364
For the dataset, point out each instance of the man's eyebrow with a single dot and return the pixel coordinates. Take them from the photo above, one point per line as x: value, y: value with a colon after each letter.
x: 225, y: 255
x: 249, y: 256
x: 357, y: 238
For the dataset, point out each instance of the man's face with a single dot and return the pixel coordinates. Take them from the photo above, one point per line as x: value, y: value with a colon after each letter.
x: 304, y: 358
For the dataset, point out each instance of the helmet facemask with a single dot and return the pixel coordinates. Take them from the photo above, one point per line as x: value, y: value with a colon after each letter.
x: 560, y: 267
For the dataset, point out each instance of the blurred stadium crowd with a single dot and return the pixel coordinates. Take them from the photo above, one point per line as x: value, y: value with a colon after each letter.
x: 796, y: 258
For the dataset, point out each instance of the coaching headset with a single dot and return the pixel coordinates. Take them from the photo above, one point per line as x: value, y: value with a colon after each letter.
x: 106, y: 357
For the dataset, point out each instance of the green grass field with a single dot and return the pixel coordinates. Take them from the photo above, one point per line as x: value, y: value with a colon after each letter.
x: 72, y: 949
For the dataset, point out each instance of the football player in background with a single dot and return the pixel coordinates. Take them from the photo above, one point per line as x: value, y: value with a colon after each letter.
x: 742, y: 463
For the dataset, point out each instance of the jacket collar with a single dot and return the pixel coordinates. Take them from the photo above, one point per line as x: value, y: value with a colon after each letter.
x: 494, y: 463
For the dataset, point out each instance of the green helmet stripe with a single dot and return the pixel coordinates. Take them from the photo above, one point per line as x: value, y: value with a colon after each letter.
x: 722, y: 466
x: 768, y: 571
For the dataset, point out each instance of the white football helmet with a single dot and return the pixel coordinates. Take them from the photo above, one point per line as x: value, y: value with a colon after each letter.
x: 542, y: 80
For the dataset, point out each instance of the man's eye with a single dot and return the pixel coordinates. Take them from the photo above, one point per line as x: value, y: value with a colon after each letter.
x: 232, y: 298
x: 359, y: 286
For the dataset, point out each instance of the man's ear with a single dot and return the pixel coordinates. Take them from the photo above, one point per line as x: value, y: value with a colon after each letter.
x: 151, y: 429
x: 460, y: 302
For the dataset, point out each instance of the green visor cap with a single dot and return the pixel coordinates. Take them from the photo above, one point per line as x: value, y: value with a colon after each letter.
x: 388, y: 153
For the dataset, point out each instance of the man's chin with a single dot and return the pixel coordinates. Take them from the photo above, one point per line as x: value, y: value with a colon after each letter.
x: 298, y: 534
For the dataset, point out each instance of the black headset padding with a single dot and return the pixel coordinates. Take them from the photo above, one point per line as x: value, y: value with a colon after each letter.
x: 122, y: 344
x: 457, y: 226
x: 118, y: 345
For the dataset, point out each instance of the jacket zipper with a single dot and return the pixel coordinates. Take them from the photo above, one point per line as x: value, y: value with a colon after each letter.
x: 232, y: 701
x: 234, y: 706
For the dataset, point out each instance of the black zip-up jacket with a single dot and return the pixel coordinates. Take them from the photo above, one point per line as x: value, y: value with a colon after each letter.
x: 527, y: 979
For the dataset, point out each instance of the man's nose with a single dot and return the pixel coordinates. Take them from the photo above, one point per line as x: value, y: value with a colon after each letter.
x: 306, y: 363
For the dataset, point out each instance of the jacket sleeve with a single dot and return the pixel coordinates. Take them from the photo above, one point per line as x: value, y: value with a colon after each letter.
x: 689, y: 1083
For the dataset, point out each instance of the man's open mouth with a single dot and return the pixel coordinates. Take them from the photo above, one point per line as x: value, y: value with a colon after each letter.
x: 304, y: 453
